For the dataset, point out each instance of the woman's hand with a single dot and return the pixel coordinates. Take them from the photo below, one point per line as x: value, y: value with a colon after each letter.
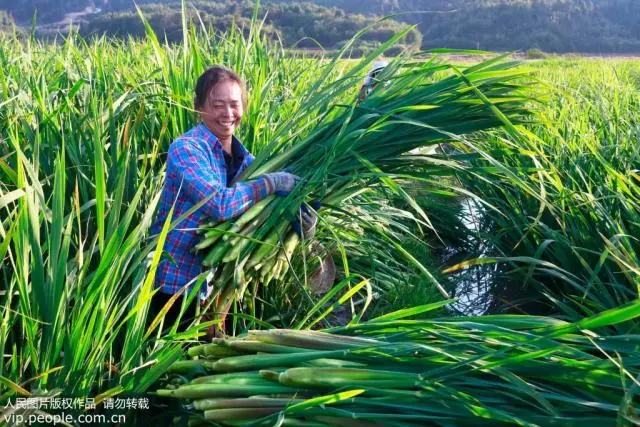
x: 282, y: 182
x: 306, y: 223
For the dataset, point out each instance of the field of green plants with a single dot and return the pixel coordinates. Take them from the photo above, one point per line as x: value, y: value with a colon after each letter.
x: 484, y: 220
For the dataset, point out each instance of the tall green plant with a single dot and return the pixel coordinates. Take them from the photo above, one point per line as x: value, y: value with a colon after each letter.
x: 83, y: 130
x: 567, y: 195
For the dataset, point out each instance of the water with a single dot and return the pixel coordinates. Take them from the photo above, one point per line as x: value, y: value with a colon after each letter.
x: 474, y: 283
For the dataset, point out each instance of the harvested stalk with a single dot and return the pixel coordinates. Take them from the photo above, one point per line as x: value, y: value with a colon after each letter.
x: 449, y: 371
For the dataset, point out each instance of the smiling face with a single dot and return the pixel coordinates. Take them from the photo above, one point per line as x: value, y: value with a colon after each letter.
x: 223, y: 110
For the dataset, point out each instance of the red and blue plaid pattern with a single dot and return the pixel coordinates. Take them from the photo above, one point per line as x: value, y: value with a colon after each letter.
x: 196, y: 169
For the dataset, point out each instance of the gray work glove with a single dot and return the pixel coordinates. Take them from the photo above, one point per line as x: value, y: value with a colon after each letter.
x: 282, y: 182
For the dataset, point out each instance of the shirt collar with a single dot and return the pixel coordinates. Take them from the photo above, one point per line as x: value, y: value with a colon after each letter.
x: 237, y: 149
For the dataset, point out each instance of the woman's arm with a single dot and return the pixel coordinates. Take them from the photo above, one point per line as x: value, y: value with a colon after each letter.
x: 201, y: 180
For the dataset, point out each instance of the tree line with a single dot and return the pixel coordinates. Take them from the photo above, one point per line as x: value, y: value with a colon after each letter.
x: 301, y: 25
x: 611, y: 26
x: 591, y: 26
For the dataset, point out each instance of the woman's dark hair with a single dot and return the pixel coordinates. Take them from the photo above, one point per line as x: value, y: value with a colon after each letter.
x: 210, y: 78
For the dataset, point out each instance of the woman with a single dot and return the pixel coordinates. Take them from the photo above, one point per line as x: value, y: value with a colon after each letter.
x: 201, y: 165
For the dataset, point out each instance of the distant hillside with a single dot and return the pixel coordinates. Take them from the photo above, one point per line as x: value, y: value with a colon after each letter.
x: 552, y: 25
x: 591, y: 26
x: 299, y: 25
x: 6, y: 21
x: 45, y: 10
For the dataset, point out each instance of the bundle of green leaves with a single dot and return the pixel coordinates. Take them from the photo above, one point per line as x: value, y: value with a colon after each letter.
x: 357, y: 146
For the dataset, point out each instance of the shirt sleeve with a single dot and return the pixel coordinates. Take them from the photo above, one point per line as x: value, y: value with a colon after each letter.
x: 200, y: 179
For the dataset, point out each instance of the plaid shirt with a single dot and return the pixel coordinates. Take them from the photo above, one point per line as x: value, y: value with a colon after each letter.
x: 196, y: 169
